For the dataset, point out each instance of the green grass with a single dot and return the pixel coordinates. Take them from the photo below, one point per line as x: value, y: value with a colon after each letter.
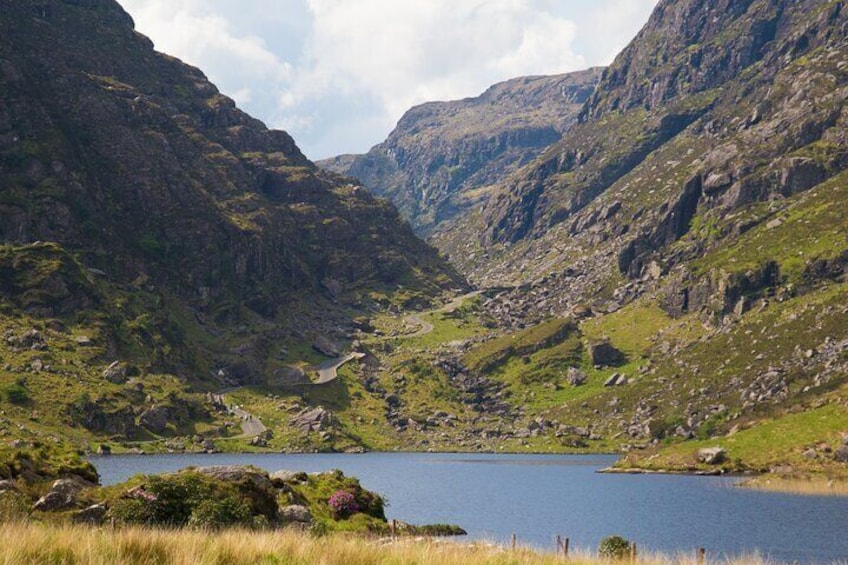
x: 631, y: 329
x: 768, y: 443
x: 495, y: 352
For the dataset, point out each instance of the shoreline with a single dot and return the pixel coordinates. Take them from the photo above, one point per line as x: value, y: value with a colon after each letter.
x: 817, y: 485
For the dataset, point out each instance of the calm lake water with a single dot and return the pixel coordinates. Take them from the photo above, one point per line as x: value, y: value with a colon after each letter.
x: 539, y: 496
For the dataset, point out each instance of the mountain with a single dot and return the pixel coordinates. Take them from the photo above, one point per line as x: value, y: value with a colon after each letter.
x: 674, y: 266
x: 150, y: 227
x: 441, y: 158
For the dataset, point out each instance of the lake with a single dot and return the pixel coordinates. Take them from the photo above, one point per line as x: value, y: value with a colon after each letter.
x: 539, y: 496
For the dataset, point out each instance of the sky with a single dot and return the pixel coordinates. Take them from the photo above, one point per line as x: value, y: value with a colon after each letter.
x: 338, y: 74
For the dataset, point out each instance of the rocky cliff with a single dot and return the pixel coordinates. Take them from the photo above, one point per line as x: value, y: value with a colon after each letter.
x: 442, y: 157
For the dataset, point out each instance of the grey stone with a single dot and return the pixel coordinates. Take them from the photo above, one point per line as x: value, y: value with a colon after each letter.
x: 289, y: 376
x: 317, y: 419
x: 284, y: 476
x: 576, y: 377
x: 116, y: 373
x: 94, y: 514
x: 295, y: 513
x: 63, y: 495
x: 841, y: 454
x: 326, y: 347
x: 712, y: 455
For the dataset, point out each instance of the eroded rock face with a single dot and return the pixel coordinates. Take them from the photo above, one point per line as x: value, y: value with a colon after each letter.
x: 440, y: 152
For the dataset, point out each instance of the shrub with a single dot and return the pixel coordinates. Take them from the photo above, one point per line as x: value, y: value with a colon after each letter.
x: 16, y: 393
x: 183, y: 499
x: 614, y: 547
x: 219, y: 513
x: 343, y: 504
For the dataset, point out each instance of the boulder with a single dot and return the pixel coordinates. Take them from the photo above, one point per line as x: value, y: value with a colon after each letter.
x: 237, y: 473
x: 116, y: 373
x: 315, y: 420
x: 841, y: 454
x: 154, y: 419
x: 63, y: 495
x: 576, y: 377
x: 94, y: 514
x: 278, y: 478
x: 712, y: 455
x: 325, y: 346
x: 288, y: 376
x: 295, y: 514
x: 258, y: 441
x: 603, y: 353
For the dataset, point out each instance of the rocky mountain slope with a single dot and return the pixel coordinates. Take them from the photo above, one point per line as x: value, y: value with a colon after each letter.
x: 149, y: 227
x: 442, y: 157
x: 692, y: 224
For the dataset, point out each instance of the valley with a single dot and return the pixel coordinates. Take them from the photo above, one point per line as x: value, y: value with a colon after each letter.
x: 648, y: 259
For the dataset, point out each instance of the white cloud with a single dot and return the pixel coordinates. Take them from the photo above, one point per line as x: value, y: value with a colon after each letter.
x: 338, y: 74
x: 407, y: 53
x: 619, y: 19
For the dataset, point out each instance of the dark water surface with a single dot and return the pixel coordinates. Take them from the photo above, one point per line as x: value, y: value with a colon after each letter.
x: 539, y: 496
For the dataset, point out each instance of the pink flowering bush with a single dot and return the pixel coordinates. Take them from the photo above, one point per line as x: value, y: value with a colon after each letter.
x: 343, y: 504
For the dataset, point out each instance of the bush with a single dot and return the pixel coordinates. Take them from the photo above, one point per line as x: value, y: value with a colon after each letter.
x: 220, y: 513
x: 183, y: 499
x: 16, y: 393
x: 343, y: 504
x: 614, y: 547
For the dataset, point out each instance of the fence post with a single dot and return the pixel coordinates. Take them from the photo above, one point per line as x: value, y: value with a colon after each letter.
x: 565, y: 547
x: 633, y: 552
x: 702, y: 556
x: 394, y: 529
x: 514, y: 541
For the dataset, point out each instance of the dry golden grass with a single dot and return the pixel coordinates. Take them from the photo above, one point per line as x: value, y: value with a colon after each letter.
x: 810, y: 486
x: 41, y: 544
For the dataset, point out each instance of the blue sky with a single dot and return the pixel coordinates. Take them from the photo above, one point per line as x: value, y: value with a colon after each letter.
x: 338, y: 74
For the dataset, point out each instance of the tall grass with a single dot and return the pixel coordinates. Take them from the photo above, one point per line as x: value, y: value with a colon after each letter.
x: 47, y: 545
x: 809, y: 486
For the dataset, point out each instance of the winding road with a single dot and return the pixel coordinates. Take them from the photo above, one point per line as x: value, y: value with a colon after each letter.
x: 425, y: 326
x: 328, y: 370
